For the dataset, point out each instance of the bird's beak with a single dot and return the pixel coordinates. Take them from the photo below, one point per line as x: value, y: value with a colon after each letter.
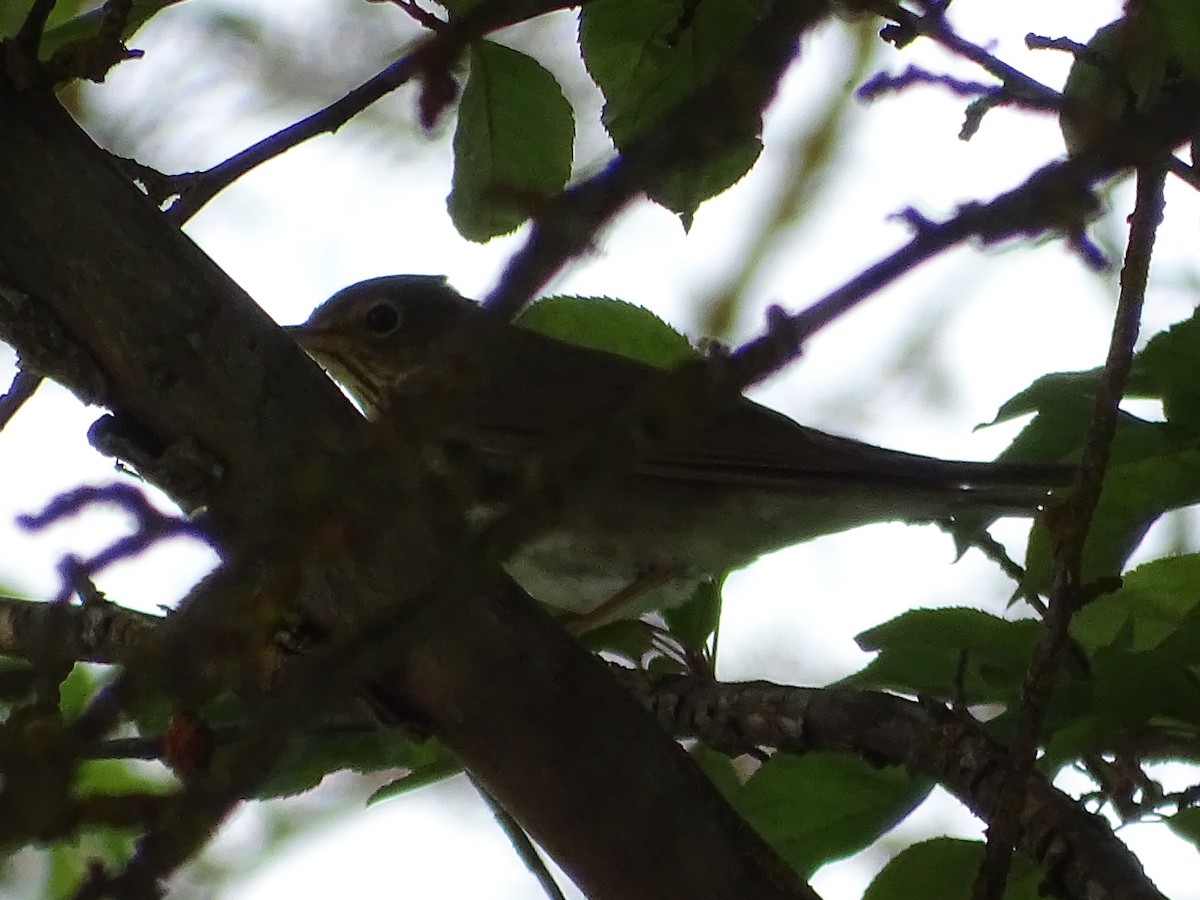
x: 313, y: 339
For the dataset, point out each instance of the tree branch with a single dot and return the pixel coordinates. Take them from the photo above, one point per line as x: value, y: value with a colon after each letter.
x: 192, y: 362
x: 1082, y: 858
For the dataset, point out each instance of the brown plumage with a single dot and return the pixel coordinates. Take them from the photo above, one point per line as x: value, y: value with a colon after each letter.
x: 748, y: 481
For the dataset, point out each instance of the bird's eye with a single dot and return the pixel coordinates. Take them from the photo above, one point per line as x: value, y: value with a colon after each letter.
x: 381, y: 319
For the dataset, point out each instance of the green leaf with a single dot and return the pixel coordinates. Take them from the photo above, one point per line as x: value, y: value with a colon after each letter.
x: 1166, y: 369
x: 438, y: 768
x: 602, y: 323
x: 1133, y: 689
x: 927, y: 651
x: 311, y: 757
x: 1154, y: 466
x: 819, y: 807
x: 79, y: 687
x: 69, y: 863
x: 1134, y: 693
x: 720, y: 769
x: 512, y: 145
x: 649, y: 55
x: 1135, y: 494
x: 87, y: 25
x: 1123, y: 72
x: 1144, y: 642
x: 629, y: 639
x: 1177, y: 24
x: 1154, y: 601
x: 945, y: 868
x: 1186, y: 824
x: 693, y: 623
x: 118, y: 776
x: 684, y: 189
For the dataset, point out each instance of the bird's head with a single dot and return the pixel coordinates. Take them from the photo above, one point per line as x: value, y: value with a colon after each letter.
x: 372, y: 335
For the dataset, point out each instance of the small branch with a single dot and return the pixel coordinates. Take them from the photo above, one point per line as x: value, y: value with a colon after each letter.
x: 421, y: 16
x: 29, y: 37
x: 91, y: 632
x: 882, y: 83
x: 431, y: 59
x: 1073, y: 521
x: 45, y: 347
x: 151, y: 526
x: 567, y: 225
x: 22, y: 388
x: 1080, y: 855
x: 1040, y: 42
x: 1029, y: 92
x: 93, y: 56
x: 994, y: 550
x: 1016, y: 85
x: 525, y: 848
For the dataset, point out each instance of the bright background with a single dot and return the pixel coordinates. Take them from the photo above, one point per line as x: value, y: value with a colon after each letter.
x: 915, y: 368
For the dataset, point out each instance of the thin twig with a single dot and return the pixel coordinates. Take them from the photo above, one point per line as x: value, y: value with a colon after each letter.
x: 525, y: 849
x: 23, y: 385
x: 1028, y: 91
x: 29, y: 37
x: 1021, y: 88
x: 431, y: 56
x: 1075, y: 517
x: 421, y: 16
x: 995, y: 551
x: 152, y: 526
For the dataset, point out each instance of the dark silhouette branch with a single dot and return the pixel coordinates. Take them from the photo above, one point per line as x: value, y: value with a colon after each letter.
x: 1081, y: 856
x: 1070, y: 524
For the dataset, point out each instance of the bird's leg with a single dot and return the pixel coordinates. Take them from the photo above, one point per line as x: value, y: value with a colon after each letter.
x: 652, y: 576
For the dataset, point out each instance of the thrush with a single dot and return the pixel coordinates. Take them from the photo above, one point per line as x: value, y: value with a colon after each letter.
x: 746, y: 481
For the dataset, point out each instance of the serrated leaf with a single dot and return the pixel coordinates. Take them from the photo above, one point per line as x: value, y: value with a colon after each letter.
x: 1186, y: 824
x: 928, y: 651
x: 438, y: 768
x: 647, y: 56
x: 512, y: 145
x: 1154, y: 466
x: 1132, y: 689
x: 945, y: 868
x: 1135, y: 494
x: 1152, y: 604
x: 310, y: 757
x: 1177, y: 24
x: 1122, y: 73
x: 87, y: 25
x: 819, y: 807
x: 603, y: 323
x: 1166, y: 369
x: 684, y: 189
x: 1136, y: 693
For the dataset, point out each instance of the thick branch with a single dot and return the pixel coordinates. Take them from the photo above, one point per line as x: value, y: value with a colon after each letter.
x: 1081, y: 856
x: 193, y: 363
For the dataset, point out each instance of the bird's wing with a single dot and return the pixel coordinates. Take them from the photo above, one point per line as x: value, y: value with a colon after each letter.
x: 521, y: 408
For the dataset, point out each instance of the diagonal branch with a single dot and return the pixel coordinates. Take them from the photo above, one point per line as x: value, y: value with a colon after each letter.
x: 432, y: 59
x: 1070, y: 528
x: 305, y: 502
x: 1082, y: 857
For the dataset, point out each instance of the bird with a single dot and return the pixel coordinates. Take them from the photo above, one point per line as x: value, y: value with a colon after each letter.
x: 694, y: 507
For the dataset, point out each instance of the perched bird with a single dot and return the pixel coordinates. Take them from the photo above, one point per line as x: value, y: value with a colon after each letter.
x: 744, y: 483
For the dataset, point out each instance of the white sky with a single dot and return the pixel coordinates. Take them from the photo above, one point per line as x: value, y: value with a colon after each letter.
x: 351, y: 206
